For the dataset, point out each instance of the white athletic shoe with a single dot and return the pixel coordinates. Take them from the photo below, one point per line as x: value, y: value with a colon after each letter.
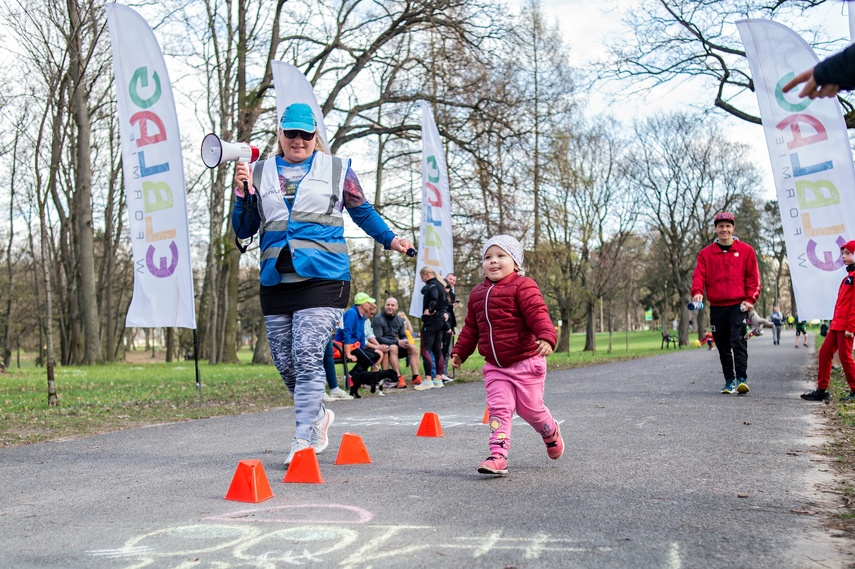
x: 338, y: 394
x: 320, y: 440
x: 296, y: 445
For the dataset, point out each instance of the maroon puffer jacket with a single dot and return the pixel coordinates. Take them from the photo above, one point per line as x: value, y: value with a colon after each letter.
x: 504, y: 320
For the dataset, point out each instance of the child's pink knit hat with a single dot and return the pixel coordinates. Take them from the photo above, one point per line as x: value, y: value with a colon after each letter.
x: 507, y: 244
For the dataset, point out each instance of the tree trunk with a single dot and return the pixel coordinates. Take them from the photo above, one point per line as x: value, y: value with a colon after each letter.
x: 683, y: 327
x: 40, y: 359
x: 170, y: 344
x: 49, y: 361
x: 261, y: 354
x: 81, y: 205
x: 590, y: 332
x: 564, y: 332
x: 229, y: 340
x: 7, y: 316
x: 610, y: 320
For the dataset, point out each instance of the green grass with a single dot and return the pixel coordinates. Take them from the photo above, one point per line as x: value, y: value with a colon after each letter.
x: 102, y: 398
x: 841, y: 415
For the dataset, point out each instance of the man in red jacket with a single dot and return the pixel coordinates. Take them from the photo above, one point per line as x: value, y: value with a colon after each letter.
x: 840, y: 333
x: 727, y: 271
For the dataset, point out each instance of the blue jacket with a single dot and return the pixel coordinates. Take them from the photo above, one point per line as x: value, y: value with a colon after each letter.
x: 353, y: 327
x: 312, y: 227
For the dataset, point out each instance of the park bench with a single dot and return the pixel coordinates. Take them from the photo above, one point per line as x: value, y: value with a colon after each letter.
x: 668, y: 340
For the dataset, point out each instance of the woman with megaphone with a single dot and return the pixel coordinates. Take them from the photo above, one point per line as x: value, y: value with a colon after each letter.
x: 296, y: 200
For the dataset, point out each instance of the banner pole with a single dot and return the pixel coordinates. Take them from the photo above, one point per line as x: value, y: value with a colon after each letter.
x: 196, y: 361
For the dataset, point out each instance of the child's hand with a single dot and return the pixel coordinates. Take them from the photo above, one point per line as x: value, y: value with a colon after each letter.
x: 848, y: 334
x: 544, y: 348
x: 455, y: 361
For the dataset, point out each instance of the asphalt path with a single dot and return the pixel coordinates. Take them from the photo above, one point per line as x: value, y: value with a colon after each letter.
x: 660, y: 471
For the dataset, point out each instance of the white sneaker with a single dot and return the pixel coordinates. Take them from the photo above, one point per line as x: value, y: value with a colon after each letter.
x: 339, y: 394
x: 437, y: 382
x: 320, y: 440
x: 296, y: 445
x: 447, y: 379
x: 425, y: 384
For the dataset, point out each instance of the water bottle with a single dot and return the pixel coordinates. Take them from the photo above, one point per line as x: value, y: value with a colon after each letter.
x: 695, y: 305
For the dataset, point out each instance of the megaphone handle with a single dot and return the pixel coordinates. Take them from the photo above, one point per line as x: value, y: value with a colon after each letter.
x: 247, y: 213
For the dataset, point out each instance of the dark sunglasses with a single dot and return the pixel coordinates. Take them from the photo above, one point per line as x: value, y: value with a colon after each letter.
x: 292, y: 134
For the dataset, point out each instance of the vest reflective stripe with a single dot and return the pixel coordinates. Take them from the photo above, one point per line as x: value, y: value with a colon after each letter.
x: 270, y: 253
x: 340, y: 248
x: 276, y: 226
x: 319, y: 218
x: 337, y: 183
x: 313, y: 230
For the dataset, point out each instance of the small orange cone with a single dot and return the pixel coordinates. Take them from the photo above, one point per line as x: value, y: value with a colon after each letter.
x: 304, y: 468
x: 430, y: 426
x: 486, y: 419
x: 249, y: 484
x: 352, y: 450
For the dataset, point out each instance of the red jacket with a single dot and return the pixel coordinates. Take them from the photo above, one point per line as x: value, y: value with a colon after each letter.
x: 504, y: 320
x: 729, y: 278
x: 844, y: 308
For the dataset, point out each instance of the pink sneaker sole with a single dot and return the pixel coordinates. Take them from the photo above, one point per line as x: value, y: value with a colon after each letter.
x: 494, y: 465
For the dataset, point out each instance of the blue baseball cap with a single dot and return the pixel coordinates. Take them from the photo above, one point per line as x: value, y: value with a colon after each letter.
x: 298, y: 116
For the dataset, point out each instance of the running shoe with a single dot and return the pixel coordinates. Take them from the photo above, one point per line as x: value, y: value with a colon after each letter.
x: 816, y: 395
x: 296, y: 445
x: 320, y: 428
x: 554, y: 444
x: 338, y: 394
x: 494, y: 465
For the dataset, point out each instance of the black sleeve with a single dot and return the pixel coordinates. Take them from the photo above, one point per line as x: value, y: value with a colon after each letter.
x: 431, y: 298
x: 839, y: 69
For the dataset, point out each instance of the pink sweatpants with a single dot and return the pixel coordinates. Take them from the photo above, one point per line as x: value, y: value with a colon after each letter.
x: 516, y: 388
x: 836, y: 341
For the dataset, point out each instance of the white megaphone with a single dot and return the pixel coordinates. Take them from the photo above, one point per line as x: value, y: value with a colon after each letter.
x: 215, y: 151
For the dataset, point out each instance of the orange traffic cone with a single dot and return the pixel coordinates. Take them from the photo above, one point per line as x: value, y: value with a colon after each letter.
x: 430, y: 426
x: 352, y: 450
x: 486, y: 419
x: 249, y: 484
x: 304, y: 468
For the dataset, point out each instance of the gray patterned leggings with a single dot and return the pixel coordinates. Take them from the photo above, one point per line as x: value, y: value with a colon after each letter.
x: 297, y: 344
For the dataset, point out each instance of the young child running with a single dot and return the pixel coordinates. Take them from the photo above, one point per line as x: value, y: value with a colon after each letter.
x: 509, y: 323
x: 840, y: 333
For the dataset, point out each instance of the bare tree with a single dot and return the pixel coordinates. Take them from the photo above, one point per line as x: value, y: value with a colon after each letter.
x: 684, y: 172
x: 83, y: 32
x: 675, y: 40
x: 596, y: 213
x: 774, y: 245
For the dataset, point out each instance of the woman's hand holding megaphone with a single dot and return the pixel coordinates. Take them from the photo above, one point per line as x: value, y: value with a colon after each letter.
x: 243, y: 174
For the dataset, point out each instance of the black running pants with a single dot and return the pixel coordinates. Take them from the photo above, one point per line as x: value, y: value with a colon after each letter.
x: 728, y: 329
